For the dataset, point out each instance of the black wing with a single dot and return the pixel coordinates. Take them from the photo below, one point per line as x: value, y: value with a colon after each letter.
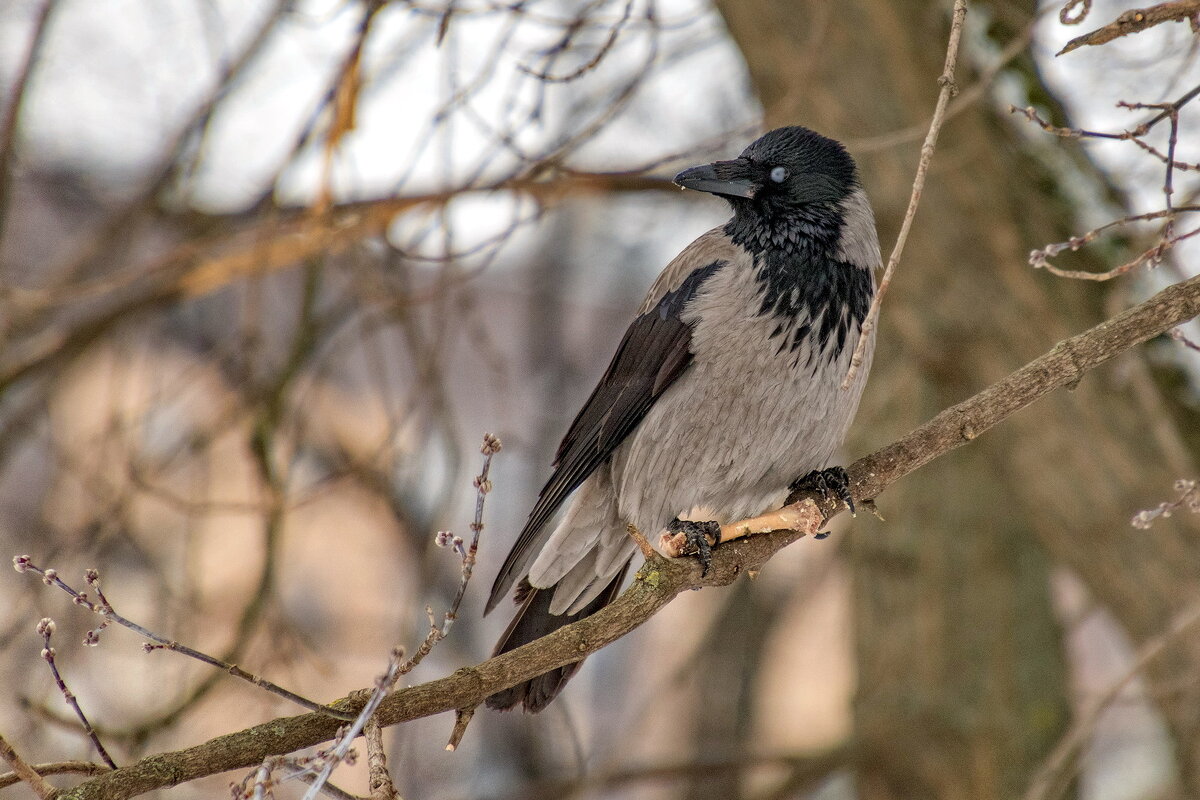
x: 653, y: 354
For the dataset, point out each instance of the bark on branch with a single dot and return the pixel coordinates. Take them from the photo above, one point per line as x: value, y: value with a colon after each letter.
x: 660, y: 580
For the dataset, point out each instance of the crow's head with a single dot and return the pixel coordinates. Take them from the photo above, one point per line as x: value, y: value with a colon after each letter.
x: 785, y: 169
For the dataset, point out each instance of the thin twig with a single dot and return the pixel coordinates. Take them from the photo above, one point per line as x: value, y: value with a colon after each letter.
x: 398, y: 666
x: 46, y: 628
x: 105, y: 611
x: 1136, y: 20
x: 341, y: 751
x: 1189, y: 498
x: 1068, y: 15
x: 1170, y: 211
x: 1178, y: 335
x: 56, y: 768
x: 379, y: 780
x: 12, y: 114
x: 1052, y: 780
x: 25, y: 772
x: 948, y: 89
x: 1039, y: 259
x: 613, y: 34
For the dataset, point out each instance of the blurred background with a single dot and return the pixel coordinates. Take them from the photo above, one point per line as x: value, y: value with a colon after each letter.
x: 260, y: 298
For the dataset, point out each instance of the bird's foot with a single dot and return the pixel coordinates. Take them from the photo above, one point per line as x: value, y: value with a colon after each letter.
x: 832, y: 484
x: 696, y: 540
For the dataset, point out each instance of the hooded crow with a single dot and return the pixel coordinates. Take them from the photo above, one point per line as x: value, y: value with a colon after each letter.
x: 725, y: 388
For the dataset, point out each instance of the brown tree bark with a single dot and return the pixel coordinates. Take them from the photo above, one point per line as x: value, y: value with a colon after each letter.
x: 961, y: 675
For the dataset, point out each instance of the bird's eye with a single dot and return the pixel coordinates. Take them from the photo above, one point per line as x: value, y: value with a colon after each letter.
x: 779, y: 174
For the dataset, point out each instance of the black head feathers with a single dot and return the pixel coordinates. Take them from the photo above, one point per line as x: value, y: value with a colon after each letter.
x: 784, y: 168
x: 802, y: 162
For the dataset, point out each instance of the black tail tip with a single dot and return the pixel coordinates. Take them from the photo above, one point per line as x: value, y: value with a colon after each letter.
x: 536, y: 693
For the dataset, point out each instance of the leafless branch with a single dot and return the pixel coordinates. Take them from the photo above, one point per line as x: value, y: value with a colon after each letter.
x: 57, y: 768
x: 948, y: 89
x: 1041, y: 258
x: 261, y: 247
x: 1074, y: 12
x: 25, y: 772
x: 613, y: 34
x: 660, y: 580
x: 379, y: 780
x: 1189, y: 499
x: 1170, y: 212
x: 398, y: 666
x: 1053, y: 779
x: 46, y: 629
x: 104, y: 610
x: 1136, y: 20
x: 12, y: 114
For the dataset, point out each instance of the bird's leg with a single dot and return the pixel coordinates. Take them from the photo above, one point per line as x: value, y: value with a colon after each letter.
x: 696, y: 539
x: 832, y: 484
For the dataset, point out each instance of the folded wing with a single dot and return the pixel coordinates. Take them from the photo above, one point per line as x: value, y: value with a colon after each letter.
x: 653, y: 354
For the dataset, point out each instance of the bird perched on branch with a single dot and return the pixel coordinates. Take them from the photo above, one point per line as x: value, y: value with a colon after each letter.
x: 725, y: 389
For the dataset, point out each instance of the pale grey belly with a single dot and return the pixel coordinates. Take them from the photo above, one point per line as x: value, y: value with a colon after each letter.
x: 730, y: 446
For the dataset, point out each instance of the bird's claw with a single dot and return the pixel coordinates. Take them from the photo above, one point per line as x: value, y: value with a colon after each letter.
x: 832, y: 484
x: 696, y: 540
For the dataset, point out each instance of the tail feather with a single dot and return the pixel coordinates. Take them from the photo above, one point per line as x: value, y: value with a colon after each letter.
x: 533, y: 621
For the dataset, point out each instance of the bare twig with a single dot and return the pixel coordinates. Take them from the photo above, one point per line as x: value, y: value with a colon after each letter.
x: 1189, y: 499
x: 660, y: 580
x: 462, y: 718
x: 1170, y: 212
x: 1052, y: 780
x: 1040, y: 259
x: 261, y: 782
x: 1136, y: 20
x: 1132, y: 134
x: 57, y: 768
x: 948, y: 89
x: 379, y: 779
x: 172, y: 165
x: 1171, y: 110
x: 614, y: 33
x: 1068, y: 15
x: 323, y: 766
x: 1178, y: 335
x: 12, y: 114
x: 262, y: 247
x: 25, y: 772
x: 46, y: 628
x: 104, y: 609
x: 398, y: 666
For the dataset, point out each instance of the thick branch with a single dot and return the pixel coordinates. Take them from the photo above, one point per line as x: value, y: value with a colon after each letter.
x: 660, y: 580
x: 1064, y: 365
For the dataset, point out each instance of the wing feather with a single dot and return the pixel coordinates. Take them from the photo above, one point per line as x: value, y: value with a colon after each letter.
x: 653, y: 354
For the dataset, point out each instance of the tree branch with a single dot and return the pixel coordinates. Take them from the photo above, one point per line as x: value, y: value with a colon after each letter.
x: 40, y: 786
x: 948, y: 89
x: 258, y: 247
x: 1136, y: 20
x: 660, y: 580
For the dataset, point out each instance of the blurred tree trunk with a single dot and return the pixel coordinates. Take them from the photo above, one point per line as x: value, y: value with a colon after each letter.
x: 962, y: 684
x: 727, y: 682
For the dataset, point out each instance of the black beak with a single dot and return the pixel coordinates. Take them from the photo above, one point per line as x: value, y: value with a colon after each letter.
x: 726, y: 178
